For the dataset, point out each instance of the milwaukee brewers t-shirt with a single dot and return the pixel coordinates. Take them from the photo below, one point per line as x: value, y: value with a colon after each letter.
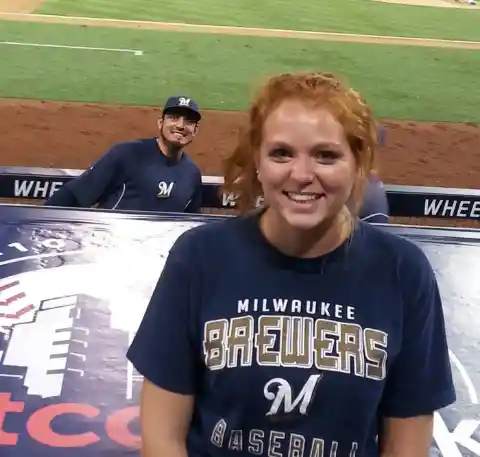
x: 294, y: 357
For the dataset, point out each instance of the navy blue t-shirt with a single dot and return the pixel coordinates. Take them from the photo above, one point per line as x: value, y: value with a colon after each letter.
x: 136, y: 175
x: 294, y: 357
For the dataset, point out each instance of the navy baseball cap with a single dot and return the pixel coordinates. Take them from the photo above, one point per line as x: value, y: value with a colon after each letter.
x: 182, y: 102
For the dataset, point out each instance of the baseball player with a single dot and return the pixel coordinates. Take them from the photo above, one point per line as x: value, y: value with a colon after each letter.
x: 375, y: 203
x: 150, y: 174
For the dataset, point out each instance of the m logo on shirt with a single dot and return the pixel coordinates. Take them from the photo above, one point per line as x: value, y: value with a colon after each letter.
x: 164, y: 189
x: 184, y: 101
x: 282, y: 397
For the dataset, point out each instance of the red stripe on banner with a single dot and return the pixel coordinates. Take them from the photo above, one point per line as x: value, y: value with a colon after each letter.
x: 18, y: 314
x: 10, y: 300
x: 7, y: 286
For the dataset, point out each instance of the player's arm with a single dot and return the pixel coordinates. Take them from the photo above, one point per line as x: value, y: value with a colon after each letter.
x: 419, y: 381
x: 63, y: 197
x: 195, y: 204
x: 85, y: 190
x: 162, y: 351
x: 374, y: 208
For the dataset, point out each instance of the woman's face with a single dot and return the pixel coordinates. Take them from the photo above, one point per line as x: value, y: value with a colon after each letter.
x: 306, y: 167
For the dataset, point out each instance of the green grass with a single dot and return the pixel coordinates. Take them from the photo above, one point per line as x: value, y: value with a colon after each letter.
x: 400, y: 82
x: 354, y: 16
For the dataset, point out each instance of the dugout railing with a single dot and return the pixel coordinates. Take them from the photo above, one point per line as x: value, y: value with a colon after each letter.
x: 405, y: 201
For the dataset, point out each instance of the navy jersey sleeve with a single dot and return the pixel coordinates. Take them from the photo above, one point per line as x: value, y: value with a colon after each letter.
x: 63, y: 197
x: 92, y: 183
x: 195, y: 204
x: 420, y: 378
x: 375, y: 203
x: 382, y: 134
x: 162, y: 349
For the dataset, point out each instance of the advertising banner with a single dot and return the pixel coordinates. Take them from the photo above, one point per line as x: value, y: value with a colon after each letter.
x: 73, y: 288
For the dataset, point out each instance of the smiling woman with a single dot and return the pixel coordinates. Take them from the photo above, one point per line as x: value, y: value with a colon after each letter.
x: 227, y: 364
x: 308, y: 148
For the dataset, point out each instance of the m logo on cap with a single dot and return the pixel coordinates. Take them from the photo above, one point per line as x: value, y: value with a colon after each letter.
x: 182, y: 101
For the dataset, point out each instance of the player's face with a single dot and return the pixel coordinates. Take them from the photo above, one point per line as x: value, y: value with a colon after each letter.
x: 178, y: 127
x: 306, y: 167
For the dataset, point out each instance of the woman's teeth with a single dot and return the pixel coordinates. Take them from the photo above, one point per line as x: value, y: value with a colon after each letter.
x: 302, y: 197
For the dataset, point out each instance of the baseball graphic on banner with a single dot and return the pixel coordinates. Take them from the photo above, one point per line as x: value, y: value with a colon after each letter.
x: 71, y: 299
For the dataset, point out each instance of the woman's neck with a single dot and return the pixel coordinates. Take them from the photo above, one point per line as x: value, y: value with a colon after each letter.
x: 306, y: 243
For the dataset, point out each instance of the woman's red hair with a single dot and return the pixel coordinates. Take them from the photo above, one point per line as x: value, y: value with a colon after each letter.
x: 314, y: 89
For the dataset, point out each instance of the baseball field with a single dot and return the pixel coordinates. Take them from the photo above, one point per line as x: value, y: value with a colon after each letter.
x: 78, y: 76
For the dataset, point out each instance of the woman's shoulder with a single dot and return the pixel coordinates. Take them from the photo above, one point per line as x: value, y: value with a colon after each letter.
x: 211, y: 238
x: 407, y: 256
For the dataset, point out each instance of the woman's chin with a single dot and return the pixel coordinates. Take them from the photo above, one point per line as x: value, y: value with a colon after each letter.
x: 305, y: 221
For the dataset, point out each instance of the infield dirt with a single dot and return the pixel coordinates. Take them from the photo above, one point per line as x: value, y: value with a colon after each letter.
x: 72, y: 135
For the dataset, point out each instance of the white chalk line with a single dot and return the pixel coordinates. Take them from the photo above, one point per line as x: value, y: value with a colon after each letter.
x: 135, y: 52
x: 241, y: 30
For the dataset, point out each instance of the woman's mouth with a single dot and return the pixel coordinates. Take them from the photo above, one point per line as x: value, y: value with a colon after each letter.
x: 303, y: 197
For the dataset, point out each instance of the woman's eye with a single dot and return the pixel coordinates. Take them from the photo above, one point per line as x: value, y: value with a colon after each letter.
x: 279, y: 153
x: 327, y: 156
